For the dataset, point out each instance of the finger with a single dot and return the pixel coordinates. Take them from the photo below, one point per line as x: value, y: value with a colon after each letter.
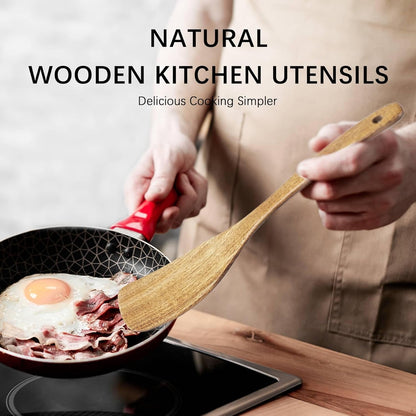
x: 327, y: 134
x: 193, y: 189
x: 377, y: 178
x: 167, y: 219
x: 187, y: 199
x: 349, y: 161
x: 351, y: 222
x: 161, y: 184
x: 377, y: 203
x: 137, y: 183
x: 317, y: 143
x: 357, y: 204
x: 134, y: 190
x: 200, y: 184
x: 164, y: 175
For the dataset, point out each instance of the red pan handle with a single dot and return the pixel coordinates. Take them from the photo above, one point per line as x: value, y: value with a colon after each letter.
x: 145, y: 218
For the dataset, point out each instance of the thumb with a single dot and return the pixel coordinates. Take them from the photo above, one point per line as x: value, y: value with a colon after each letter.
x: 162, y: 182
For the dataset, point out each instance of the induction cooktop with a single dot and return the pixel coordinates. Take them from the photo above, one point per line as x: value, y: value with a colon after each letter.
x: 174, y: 379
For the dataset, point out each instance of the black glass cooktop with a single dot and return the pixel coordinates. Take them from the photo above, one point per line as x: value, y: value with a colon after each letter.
x: 174, y: 379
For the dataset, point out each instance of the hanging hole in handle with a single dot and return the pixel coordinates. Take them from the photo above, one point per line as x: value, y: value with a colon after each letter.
x: 377, y: 119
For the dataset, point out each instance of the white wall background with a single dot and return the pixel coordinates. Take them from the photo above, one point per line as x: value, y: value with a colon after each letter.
x: 66, y: 150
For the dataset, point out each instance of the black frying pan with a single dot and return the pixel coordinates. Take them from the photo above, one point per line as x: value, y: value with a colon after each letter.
x: 86, y: 251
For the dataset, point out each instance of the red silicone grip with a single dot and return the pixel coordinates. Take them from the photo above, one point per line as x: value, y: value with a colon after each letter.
x: 145, y: 218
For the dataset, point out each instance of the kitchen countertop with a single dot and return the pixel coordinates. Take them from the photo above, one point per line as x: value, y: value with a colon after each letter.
x: 333, y: 383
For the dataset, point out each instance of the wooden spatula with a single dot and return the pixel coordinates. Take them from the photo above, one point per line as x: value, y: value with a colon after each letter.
x: 167, y: 293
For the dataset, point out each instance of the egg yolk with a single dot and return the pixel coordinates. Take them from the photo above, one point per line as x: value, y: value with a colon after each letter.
x: 47, y: 291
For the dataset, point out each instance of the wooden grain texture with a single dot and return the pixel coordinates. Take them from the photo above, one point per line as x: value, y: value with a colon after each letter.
x: 172, y: 290
x: 333, y: 383
x: 288, y: 406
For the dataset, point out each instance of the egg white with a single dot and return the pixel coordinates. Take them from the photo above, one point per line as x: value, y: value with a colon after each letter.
x: 22, y: 318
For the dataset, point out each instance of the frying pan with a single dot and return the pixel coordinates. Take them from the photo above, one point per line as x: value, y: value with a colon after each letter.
x: 96, y: 252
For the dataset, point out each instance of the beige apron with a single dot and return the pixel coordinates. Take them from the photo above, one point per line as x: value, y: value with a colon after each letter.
x: 354, y: 292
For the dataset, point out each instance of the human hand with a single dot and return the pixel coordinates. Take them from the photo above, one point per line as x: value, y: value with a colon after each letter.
x: 364, y: 186
x: 163, y: 166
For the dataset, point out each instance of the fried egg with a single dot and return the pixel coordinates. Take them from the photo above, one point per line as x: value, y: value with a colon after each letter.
x: 45, y: 300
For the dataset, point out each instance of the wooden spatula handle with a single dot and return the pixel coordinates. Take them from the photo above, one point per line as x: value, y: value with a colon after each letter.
x: 367, y: 128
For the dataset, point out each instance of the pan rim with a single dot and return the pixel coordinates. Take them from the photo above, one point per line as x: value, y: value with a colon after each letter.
x: 128, y: 234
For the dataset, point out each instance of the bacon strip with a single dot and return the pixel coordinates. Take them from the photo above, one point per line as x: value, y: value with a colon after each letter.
x: 95, y: 301
x: 106, y: 331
